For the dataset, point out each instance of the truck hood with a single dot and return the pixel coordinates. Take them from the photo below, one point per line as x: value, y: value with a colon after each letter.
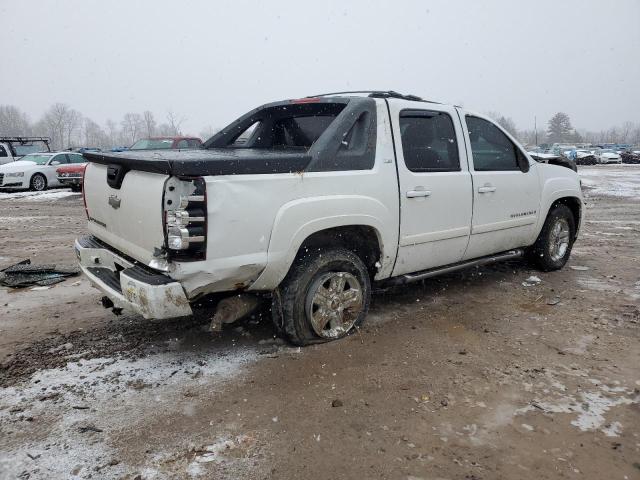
x: 217, y: 161
x: 19, y: 166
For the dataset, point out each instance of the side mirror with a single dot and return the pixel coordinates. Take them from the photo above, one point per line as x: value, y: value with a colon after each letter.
x: 55, y: 162
x: 523, y: 163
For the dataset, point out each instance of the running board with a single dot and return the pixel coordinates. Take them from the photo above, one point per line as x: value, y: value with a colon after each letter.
x: 454, y: 267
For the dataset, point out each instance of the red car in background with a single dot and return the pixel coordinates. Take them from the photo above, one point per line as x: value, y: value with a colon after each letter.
x: 166, y: 143
x: 71, y: 175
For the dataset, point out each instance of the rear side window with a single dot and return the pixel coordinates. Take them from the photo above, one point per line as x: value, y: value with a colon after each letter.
x: 292, y: 126
x: 429, y: 141
x: 75, y: 158
x: 299, y: 131
x: 491, y: 148
x: 183, y: 144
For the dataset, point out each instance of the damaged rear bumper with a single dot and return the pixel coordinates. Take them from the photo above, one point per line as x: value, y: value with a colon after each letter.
x: 128, y: 285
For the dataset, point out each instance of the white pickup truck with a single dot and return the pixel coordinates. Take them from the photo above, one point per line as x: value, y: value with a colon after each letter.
x: 310, y: 201
x: 14, y: 148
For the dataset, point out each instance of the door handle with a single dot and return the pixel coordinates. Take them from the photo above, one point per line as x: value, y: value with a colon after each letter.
x: 418, y: 193
x: 487, y: 189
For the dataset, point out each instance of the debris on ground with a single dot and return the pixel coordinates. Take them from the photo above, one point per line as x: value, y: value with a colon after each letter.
x: 531, y: 281
x: 232, y: 309
x: 579, y: 268
x: 24, y: 274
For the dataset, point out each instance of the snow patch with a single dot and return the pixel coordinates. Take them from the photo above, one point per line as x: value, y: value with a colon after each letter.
x: 77, y: 408
x: 38, y: 196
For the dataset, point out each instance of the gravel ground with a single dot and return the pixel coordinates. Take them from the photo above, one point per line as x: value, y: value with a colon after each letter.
x: 468, y: 376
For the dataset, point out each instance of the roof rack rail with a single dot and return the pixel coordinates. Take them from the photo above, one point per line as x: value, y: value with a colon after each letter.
x: 24, y: 139
x: 377, y: 94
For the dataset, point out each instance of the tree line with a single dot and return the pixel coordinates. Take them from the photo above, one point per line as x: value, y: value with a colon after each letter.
x: 68, y: 128
x: 560, y: 130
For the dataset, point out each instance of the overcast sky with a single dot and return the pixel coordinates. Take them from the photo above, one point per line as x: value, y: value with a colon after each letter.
x: 211, y: 61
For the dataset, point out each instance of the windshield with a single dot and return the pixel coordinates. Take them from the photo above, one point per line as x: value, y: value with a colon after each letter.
x: 20, y: 150
x: 607, y: 151
x: 39, y: 159
x: 153, y: 144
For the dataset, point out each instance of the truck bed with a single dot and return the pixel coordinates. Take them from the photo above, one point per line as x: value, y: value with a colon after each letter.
x: 217, y: 161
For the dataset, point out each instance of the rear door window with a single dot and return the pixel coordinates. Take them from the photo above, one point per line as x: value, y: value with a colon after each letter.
x: 429, y: 141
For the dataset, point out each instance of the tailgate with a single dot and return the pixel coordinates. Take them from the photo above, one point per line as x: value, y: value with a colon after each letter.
x: 128, y: 218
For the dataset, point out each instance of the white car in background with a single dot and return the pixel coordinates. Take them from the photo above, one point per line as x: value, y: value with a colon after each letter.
x: 607, y: 156
x: 36, y: 171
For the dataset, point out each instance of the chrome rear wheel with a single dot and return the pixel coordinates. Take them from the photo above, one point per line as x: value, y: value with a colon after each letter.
x: 334, y: 302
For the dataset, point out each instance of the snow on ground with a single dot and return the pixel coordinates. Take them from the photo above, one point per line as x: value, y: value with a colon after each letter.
x: 37, y: 196
x: 62, y: 418
x: 611, y: 180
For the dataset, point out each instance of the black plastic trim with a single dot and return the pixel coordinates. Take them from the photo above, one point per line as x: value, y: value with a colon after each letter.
x: 109, y: 277
x: 219, y: 161
x: 142, y: 275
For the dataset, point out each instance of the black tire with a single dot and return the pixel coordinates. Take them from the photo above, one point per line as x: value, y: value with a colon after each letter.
x: 38, y: 182
x: 76, y: 188
x: 547, y: 253
x: 293, y: 300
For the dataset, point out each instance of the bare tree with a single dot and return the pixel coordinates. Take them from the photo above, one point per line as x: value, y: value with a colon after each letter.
x: 149, y: 123
x: 94, y: 135
x: 13, y: 121
x: 53, y: 124
x: 165, y: 130
x: 112, y: 132
x: 132, y: 126
x: 175, y: 123
x: 208, y: 132
x: 71, y: 124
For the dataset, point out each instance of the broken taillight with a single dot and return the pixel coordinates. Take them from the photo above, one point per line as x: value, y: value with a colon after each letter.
x: 186, y: 224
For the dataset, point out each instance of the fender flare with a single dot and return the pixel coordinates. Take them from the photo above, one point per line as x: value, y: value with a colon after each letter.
x: 549, y: 200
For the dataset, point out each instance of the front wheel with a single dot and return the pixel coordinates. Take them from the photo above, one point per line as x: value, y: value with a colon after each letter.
x: 38, y: 182
x: 325, y: 296
x: 553, y: 246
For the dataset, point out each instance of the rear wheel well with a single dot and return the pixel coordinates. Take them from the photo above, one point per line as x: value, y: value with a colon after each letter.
x: 573, y: 204
x: 360, y: 239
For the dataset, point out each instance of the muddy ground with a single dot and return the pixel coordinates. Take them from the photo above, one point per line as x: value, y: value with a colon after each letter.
x: 468, y: 376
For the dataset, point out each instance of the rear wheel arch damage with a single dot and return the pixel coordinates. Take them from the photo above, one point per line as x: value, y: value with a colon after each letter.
x: 364, y: 241
x: 344, y: 257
